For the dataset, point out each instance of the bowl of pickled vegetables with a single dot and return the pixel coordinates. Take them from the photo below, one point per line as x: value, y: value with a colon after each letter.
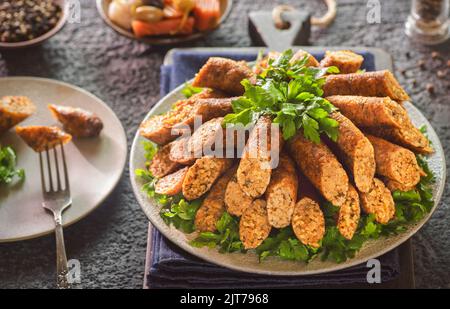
x: 163, y: 22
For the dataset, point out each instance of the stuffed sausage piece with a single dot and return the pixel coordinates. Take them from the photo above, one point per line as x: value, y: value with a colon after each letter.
x: 213, y: 205
x: 41, y: 138
x: 13, y: 110
x: 254, y: 226
x: 357, y: 152
x: 345, y: 60
x: 395, y: 162
x: 349, y: 214
x: 254, y: 170
x: 223, y: 74
x: 162, y: 129
x: 202, y: 175
x: 76, y: 121
x: 300, y: 54
x: 281, y: 194
x: 172, y: 183
x: 369, y: 84
x: 321, y: 167
x: 308, y: 221
x: 393, y: 185
x: 371, y: 111
x: 407, y: 136
x: 161, y: 164
x: 236, y: 200
x: 180, y: 153
x: 378, y: 201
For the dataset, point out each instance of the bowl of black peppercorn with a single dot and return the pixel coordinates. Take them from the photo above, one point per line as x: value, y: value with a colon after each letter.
x: 26, y: 23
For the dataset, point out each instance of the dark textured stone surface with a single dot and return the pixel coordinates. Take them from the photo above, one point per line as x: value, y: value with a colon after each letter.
x: 110, y: 243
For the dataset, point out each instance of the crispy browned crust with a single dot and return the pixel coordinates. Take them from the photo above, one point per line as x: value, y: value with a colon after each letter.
x: 40, y: 138
x: 378, y: 201
x: 179, y: 151
x: 368, y: 84
x: 281, y: 194
x: 356, y: 152
x: 254, y: 170
x: 161, y: 164
x: 204, y: 139
x: 158, y: 128
x: 202, y: 175
x: 213, y: 205
x: 254, y: 226
x: 236, y: 200
x: 308, y: 222
x: 172, y: 183
x: 223, y: 74
x: 407, y: 136
x: 76, y: 121
x: 13, y: 110
x: 349, y: 214
x: 321, y: 167
x: 371, y: 111
x: 345, y: 60
x: 395, y: 162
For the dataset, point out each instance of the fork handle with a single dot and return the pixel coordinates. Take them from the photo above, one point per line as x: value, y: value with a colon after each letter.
x: 61, y: 258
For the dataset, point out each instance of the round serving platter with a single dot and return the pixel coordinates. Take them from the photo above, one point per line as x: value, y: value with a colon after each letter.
x: 103, y: 5
x: 95, y: 165
x: 274, y: 266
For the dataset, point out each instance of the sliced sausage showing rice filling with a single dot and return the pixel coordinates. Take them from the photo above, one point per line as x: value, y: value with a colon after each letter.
x: 162, y: 164
x: 171, y: 184
x: 378, y: 201
x: 349, y: 214
x: 254, y: 226
x: 201, y: 176
x: 308, y: 222
x: 236, y: 200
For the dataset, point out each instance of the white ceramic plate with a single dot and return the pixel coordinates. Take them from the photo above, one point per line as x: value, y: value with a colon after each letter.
x: 272, y: 265
x: 95, y: 165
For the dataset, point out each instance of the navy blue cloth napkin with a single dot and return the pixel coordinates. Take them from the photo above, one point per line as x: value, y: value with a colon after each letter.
x: 171, y: 267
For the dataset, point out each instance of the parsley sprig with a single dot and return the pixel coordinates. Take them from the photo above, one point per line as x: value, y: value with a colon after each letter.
x: 8, y: 169
x: 291, y: 93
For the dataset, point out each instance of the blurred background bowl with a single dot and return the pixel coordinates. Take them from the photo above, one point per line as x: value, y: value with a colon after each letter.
x: 103, y: 5
x: 39, y: 40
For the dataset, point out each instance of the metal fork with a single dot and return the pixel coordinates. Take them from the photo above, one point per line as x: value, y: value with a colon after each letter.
x: 57, y: 199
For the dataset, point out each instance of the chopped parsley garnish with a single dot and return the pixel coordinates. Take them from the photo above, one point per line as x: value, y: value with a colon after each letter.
x: 8, y: 169
x: 291, y: 93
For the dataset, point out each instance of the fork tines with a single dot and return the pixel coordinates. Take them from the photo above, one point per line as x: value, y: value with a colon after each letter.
x: 58, y: 185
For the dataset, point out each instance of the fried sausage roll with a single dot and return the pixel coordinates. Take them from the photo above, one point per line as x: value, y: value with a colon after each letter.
x: 40, y: 138
x: 407, y: 136
x: 180, y: 153
x: 395, y: 162
x: 13, y: 110
x: 236, y: 200
x: 308, y: 222
x: 369, y: 84
x: 371, y: 111
x: 349, y: 214
x: 158, y: 128
x: 281, y: 194
x: 206, y: 136
x: 357, y: 152
x: 378, y: 201
x: 172, y: 183
x: 76, y: 121
x: 321, y: 167
x: 345, y: 60
x: 202, y: 175
x: 254, y: 170
x: 393, y: 185
x: 223, y: 74
x: 213, y: 205
x: 161, y: 164
x: 300, y: 54
x: 254, y: 227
